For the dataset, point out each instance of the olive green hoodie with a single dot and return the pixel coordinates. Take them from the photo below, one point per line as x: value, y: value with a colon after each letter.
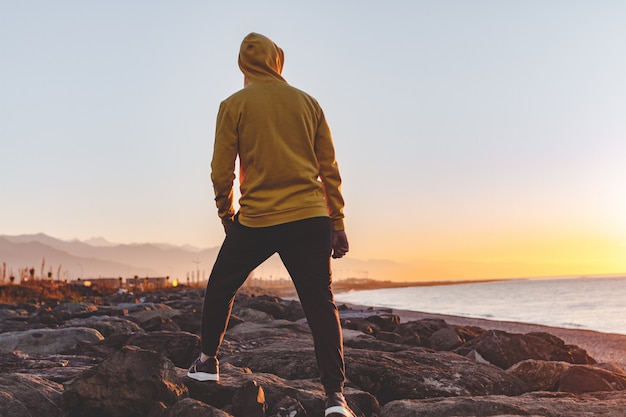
x: 288, y: 170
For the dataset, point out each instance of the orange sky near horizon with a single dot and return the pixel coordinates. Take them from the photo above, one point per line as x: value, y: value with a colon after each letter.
x: 507, y: 254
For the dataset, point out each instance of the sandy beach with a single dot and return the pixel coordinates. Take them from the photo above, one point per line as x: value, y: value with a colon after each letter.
x: 603, y: 347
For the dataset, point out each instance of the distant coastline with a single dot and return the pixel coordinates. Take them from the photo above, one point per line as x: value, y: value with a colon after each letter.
x: 348, y: 285
x: 285, y: 288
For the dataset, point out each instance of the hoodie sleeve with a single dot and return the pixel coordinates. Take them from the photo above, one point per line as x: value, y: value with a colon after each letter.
x: 329, y: 173
x: 223, y: 163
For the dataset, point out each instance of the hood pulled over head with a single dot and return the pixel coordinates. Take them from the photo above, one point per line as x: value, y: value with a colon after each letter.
x: 260, y: 59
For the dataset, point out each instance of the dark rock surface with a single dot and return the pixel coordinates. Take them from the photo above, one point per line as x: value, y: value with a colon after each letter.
x: 29, y: 396
x: 536, y: 404
x: 131, y: 382
x: 47, y: 341
x: 125, y: 355
x: 410, y: 374
x: 189, y: 407
x: 106, y: 325
x: 506, y: 349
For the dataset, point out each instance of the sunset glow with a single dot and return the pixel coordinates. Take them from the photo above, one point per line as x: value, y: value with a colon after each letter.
x: 475, y: 139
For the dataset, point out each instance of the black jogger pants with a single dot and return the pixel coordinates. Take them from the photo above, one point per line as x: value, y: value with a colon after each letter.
x: 304, y: 247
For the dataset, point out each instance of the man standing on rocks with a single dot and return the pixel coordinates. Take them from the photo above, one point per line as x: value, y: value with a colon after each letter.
x: 290, y: 204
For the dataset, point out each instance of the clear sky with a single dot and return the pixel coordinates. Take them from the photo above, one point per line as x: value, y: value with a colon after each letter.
x: 487, y: 138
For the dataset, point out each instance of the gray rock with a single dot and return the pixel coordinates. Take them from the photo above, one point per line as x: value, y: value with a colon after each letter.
x: 506, y: 349
x: 539, y: 375
x: 390, y: 337
x: 29, y: 396
x: 417, y: 333
x: 413, y: 374
x: 6, y: 313
x: 288, y: 407
x: 384, y: 321
x: 278, y: 391
x: 445, y: 339
x: 106, y: 325
x: 286, y: 361
x: 255, y: 316
x: 57, y: 368
x: 536, y: 404
x: 293, y: 310
x: 47, y: 341
x: 17, y: 325
x: 143, y: 316
x: 159, y: 324
x: 581, y: 379
x: 424, y: 328
x: 67, y: 311
x: 131, y: 383
x: 249, y: 401
x: 360, y: 324
x: 182, y: 348
x: 190, y: 321
x: 189, y: 407
x: 267, y: 304
x: 277, y: 331
x: 136, y: 307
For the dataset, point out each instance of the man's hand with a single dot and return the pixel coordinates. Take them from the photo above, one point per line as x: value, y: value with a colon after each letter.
x: 340, y: 243
x: 227, y: 225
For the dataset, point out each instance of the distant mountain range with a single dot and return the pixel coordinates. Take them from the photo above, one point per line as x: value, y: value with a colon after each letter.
x: 98, y: 258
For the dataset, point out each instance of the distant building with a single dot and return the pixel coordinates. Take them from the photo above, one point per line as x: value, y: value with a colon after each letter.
x: 134, y: 282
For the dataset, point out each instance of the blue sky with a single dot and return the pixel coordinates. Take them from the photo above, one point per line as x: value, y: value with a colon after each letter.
x: 490, y: 132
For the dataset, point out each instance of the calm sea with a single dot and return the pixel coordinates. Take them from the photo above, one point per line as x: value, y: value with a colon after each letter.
x: 597, y: 303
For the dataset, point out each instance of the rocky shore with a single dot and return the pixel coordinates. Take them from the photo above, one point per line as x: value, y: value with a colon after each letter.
x: 126, y: 355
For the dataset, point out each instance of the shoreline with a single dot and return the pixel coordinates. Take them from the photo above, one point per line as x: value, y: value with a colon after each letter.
x: 603, y: 347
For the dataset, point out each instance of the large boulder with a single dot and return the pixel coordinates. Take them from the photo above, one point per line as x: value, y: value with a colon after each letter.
x: 68, y: 311
x: 249, y: 401
x: 414, y: 374
x: 281, y: 332
x: 435, y: 333
x: 386, y: 321
x: 357, y: 340
x: 423, y: 328
x: 252, y: 315
x: 47, y: 341
x: 57, y: 368
x: 302, y: 397
x: 131, y: 382
x: 29, y: 396
x: 289, y: 362
x: 605, y: 404
x: 152, y: 313
x: 267, y: 304
x: 566, y: 377
x: 293, y: 310
x: 446, y: 339
x: 539, y: 375
x: 580, y: 379
x: 182, y: 348
x: 189, y: 407
x: 106, y: 325
x: 504, y: 349
x: 189, y: 321
x: 18, y: 324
